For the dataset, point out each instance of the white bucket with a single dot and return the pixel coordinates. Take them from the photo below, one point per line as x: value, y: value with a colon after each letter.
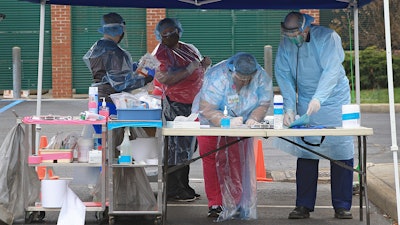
x: 351, y: 116
x: 53, y: 192
x: 144, y: 149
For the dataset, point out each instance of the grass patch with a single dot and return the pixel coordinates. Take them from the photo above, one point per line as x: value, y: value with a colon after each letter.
x: 376, y: 96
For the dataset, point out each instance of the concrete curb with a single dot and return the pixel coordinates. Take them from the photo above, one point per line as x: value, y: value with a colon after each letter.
x: 378, y: 108
x: 381, y: 188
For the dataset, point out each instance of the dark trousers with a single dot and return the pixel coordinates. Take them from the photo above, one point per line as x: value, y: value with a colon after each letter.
x: 178, y: 182
x: 307, y: 179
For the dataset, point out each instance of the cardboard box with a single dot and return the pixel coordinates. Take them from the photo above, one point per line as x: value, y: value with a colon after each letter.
x: 94, y: 156
x: 138, y: 114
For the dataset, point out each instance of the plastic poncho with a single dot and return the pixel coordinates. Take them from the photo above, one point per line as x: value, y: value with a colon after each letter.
x: 178, y: 98
x: 235, y: 163
x: 219, y: 90
x: 111, y: 67
x: 176, y: 59
x: 320, y: 75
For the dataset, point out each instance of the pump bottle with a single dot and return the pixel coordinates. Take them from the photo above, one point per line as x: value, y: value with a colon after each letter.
x: 226, y: 120
x: 104, y: 111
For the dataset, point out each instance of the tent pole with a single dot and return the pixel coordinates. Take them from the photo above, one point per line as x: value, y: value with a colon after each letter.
x: 40, y: 71
x: 394, y: 148
x: 356, y: 54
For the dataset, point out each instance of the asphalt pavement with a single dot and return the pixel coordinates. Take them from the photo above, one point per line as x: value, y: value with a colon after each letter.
x: 275, y: 199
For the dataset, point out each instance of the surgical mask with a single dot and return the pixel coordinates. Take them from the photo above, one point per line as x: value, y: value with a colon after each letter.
x: 297, y: 40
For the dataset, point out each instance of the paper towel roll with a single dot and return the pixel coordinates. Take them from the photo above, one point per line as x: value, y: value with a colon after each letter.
x: 351, y: 116
x: 53, y: 192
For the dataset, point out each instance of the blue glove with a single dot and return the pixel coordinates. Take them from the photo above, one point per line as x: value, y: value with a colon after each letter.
x: 303, y: 120
x: 150, y: 72
x: 134, y: 66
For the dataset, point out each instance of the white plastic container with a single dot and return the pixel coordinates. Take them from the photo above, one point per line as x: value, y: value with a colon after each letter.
x: 278, y: 112
x: 84, y: 146
x: 93, y: 100
x: 125, y: 148
x: 350, y: 116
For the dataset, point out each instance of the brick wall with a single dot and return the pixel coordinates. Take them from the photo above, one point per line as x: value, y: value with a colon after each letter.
x: 312, y: 12
x: 152, y: 17
x: 61, y: 51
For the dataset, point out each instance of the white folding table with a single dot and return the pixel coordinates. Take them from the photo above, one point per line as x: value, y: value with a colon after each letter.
x: 361, y: 133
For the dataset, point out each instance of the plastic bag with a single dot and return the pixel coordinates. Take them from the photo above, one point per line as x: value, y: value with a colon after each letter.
x: 19, y: 183
x: 131, y: 185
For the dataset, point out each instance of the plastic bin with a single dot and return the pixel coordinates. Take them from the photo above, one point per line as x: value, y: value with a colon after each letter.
x: 138, y: 114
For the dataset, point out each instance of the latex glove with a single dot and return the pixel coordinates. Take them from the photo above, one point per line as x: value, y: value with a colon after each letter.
x: 192, y: 66
x: 206, y: 62
x: 150, y: 72
x: 251, y: 122
x: 288, y: 118
x: 134, y: 66
x: 236, y: 121
x: 313, y: 106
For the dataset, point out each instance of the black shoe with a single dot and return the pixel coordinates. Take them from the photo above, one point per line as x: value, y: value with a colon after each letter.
x: 197, y: 196
x: 182, y: 196
x: 342, y: 213
x: 214, y: 211
x: 300, y: 212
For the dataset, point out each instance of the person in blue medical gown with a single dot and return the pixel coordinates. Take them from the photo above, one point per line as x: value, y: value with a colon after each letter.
x: 312, y: 80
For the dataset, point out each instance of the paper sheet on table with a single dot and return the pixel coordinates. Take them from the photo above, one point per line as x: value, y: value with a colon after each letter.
x: 190, y: 118
x: 73, y: 211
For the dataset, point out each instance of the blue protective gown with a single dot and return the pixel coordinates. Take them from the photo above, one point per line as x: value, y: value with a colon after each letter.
x: 320, y: 75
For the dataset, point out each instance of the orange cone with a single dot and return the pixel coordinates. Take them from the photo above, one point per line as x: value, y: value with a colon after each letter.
x: 42, y: 170
x: 261, y: 172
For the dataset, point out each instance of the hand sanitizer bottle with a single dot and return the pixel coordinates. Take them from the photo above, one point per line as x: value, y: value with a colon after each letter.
x: 226, y: 120
x: 104, y: 111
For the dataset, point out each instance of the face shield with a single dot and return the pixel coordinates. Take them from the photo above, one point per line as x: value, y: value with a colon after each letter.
x: 294, y: 35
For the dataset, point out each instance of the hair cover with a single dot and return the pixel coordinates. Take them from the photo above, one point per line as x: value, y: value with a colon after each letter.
x: 166, y: 23
x: 243, y: 63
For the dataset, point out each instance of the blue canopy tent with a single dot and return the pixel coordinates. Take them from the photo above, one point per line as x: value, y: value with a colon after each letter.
x: 212, y: 4
x: 251, y: 4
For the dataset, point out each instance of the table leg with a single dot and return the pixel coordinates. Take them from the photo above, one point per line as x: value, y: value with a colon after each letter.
x: 365, y: 178
x: 165, y: 176
x: 361, y: 176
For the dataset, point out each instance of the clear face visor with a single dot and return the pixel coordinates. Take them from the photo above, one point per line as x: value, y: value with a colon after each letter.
x: 167, y: 34
x: 294, y: 35
x: 243, y: 78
